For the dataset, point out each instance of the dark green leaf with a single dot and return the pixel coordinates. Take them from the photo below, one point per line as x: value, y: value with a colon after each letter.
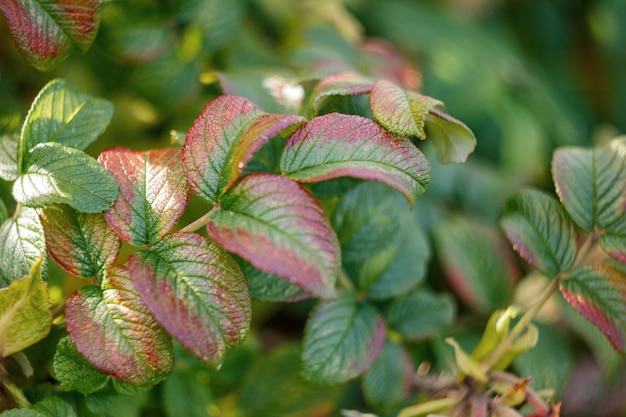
x: 184, y: 395
x: 23, y: 412
x: 74, y: 372
x: 420, y: 314
x: 264, y: 286
x: 54, y: 407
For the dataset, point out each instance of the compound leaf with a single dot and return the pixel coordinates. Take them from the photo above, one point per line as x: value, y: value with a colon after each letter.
x: 279, y: 228
x: 114, y: 330
x: 153, y: 193
x: 196, y: 291
x: 342, y: 84
x: 74, y: 372
x: 420, y: 314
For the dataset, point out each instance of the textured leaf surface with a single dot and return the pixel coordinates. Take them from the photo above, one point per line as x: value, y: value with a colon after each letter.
x: 81, y: 243
x: 74, y: 372
x: 540, y: 231
x: 114, y: 330
x: 24, y: 315
x: 336, y: 145
x: 420, y: 314
x: 598, y: 292
x: 278, y: 227
x: 400, y: 111
x: 223, y: 139
x: 54, y: 407
x: 264, y: 286
x: 46, y: 32
x: 196, y: 291
x: 8, y: 156
x: 452, y: 139
x: 153, y: 193
x: 342, y: 84
x: 591, y: 183
x: 342, y: 339
x: 21, y: 244
x: 57, y: 174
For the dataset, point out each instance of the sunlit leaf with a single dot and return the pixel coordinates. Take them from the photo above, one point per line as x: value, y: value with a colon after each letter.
x: 114, y: 330
x: 342, y: 84
x: 278, y: 227
x: 58, y: 174
x: 153, y: 193
x: 540, y: 231
x: 8, y: 156
x: 81, y: 243
x: 342, y: 339
x: 420, y: 314
x: 336, y: 145
x: 452, y: 139
x: 74, y: 372
x: 196, y: 291
x: 598, y: 292
x: 223, y: 139
x: 46, y: 32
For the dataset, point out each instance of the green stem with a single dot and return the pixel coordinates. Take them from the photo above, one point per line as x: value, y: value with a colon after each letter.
x: 344, y: 281
x: 201, y: 222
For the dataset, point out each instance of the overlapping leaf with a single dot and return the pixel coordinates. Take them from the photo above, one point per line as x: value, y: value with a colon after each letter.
x: 336, y: 145
x: 114, y: 330
x: 223, y: 139
x: 453, y: 140
x: 74, y: 372
x: 81, y: 243
x: 598, y: 292
x: 342, y: 339
x: 278, y: 227
x: 57, y: 174
x: 540, y: 231
x: 264, y: 286
x: 420, y: 314
x: 196, y: 291
x: 8, y: 156
x: 153, y: 193
x: 342, y: 84
x: 21, y: 244
x: 46, y: 32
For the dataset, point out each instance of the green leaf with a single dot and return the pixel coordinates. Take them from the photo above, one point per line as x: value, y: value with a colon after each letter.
x: 540, y: 231
x: 466, y: 363
x: 74, y: 372
x: 21, y: 244
x: 8, y: 156
x: 184, y: 394
x: 477, y: 261
x: 57, y: 174
x: 342, y: 84
x: 23, y: 412
x: 47, y: 32
x: 81, y: 243
x: 4, y: 214
x: 54, y: 407
x: 114, y: 330
x: 63, y: 114
x: 24, y: 315
x: 264, y: 286
x: 196, y: 291
x: 279, y: 228
x: 452, y: 139
x: 598, y: 292
x: 390, y: 378
x: 336, y: 145
x: 153, y: 193
x: 591, y: 182
x: 420, y: 314
x: 341, y: 340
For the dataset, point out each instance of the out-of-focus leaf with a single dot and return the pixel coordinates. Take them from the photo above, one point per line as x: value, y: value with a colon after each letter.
x: 58, y: 174
x: 24, y: 315
x: 54, y: 407
x: 184, y: 395
x: 223, y: 139
x: 598, y: 292
x: 21, y: 244
x: 81, y: 243
x: 591, y: 183
x: 384, y: 61
x: 23, y: 412
x: 4, y: 214
x: 420, y: 314
x: 114, y: 330
x: 342, y: 339
x: 540, y: 231
x: 478, y: 264
x: 342, y: 84
x: 452, y: 139
x: 153, y: 193
x: 196, y: 291
x: 264, y: 286
x: 336, y: 145
x: 8, y: 156
x: 466, y: 363
x: 46, y: 32
x: 278, y: 227
x: 74, y: 372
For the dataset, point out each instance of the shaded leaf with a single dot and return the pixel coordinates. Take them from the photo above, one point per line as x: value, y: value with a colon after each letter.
x: 452, y: 139
x: 57, y: 174
x: 46, y: 32
x: 341, y: 341
x: 342, y: 84
x: 279, y: 228
x: 264, y: 286
x: 540, y: 231
x: 223, y: 139
x: 196, y: 291
x: 153, y: 193
x: 23, y: 412
x: 184, y: 394
x: 420, y: 314
x: 54, y: 407
x: 4, y: 214
x: 336, y: 145
x: 81, y: 243
x: 74, y: 372
x: 8, y: 156
x: 114, y: 330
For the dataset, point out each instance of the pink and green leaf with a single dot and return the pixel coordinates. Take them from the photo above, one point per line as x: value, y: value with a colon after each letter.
x: 46, y: 32
x: 342, y: 84
x: 81, y: 243
x: 336, y: 145
x: 223, y: 139
x: 153, y: 193
x: 114, y: 330
x: 598, y: 292
x: 279, y: 228
x: 196, y: 291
